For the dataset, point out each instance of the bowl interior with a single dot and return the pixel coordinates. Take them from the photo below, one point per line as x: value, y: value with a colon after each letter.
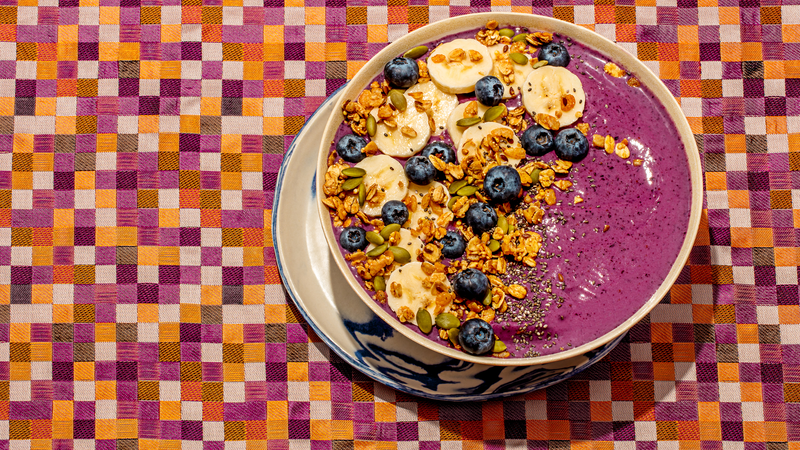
x: 588, y: 38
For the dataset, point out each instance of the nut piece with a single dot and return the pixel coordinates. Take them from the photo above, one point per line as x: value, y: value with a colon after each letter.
x: 614, y: 70
x: 622, y: 151
x: 492, y: 24
x: 396, y: 289
x: 404, y: 314
x: 456, y: 55
x: 548, y: 121
x: 438, y: 58
x: 408, y: 131
x: 608, y: 144
x: 578, y: 199
x: 583, y: 128
x: 598, y: 141
x: 517, y: 291
x: 475, y: 56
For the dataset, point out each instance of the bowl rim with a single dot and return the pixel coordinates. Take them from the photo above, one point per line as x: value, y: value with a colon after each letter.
x: 607, y: 48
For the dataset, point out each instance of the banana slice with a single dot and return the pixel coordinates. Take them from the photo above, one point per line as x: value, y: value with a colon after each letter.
x: 458, y: 114
x: 390, y: 179
x: 441, y: 104
x: 398, y: 141
x: 547, y: 90
x: 521, y: 71
x: 472, y: 138
x: 413, y: 294
x: 419, y: 192
x: 457, y: 65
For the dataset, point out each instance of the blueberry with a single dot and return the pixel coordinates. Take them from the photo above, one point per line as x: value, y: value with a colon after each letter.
x: 555, y: 54
x: 489, y: 91
x: 441, y: 150
x: 353, y: 239
x: 537, y: 140
x: 453, y: 244
x: 401, y: 73
x: 502, y: 184
x: 571, y: 145
x: 476, y: 337
x: 471, y: 284
x: 420, y: 170
x: 481, y: 218
x: 349, y: 148
x: 394, y: 211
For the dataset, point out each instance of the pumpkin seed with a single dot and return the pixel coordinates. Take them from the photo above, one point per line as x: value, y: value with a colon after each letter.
x: 493, y: 245
x: 467, y: 190
x: 362, y: 194
x: 374, y: 238
x: 502, y: 223
x: 518, y: 58
x: 424, y: 320
x: 352, y: 183
x: 468, y: 121
x: 540, y: 63
x: 353, y: 172
x: 379, y: 283
x: 499, y: 346
x: 494, y: 113
x: 398, y: 99
x: 416, y: 52
x: 535, y: 175
x: 506, y: 32
x: 447, y: 321
x: 377, y: 251
x: 453, y: 335
x: 456, y: 185
x: 520, y: 37
x: 488, y: 299
x: 401, y: 255
x: 389, y: 229
x: 372, y: 126
x: 452, y: 202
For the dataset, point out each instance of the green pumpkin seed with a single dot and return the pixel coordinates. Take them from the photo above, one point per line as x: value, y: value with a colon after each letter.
x: 468, y: 121
x: 401, y: 255
x: 398, y: 99
x: 374, y: 238
x: 506, y: 32
x: 520, y: 37
x: 467, y: 190
x: 389, y: 229
x: 377, y: 251
x: 493, y: 245
x: 424, y: 320
x: 447, y: 321
x: 502, y: 223
x: 494, y: 113
x: 372, y: 125
x: 452, y: 202
x: 540, y: 63
x: 456, y: 185
x: 488, y: 299
x: 379, y: 283
x: 352, y: 183
x: 353, y: 172
x: 452, y: 333
x: 416, y: 52
x: 518, y: 58
x: 499, y: 346
x: 535, y: 175
x: 362, y: 194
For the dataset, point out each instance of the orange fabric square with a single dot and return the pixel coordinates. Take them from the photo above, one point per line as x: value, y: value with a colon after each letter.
x: 728, y: 372
x: 747, y: 333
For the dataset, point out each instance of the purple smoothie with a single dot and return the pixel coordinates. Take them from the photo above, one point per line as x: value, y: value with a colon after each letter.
x: 601, y: 259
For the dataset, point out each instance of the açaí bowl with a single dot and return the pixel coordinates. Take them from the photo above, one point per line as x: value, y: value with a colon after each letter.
x: 452, y: 26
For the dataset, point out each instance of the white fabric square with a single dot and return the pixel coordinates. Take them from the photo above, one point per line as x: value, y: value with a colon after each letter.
x: 273, y: 107
x: 755, y: 125
x: 191, y: 32
x: 710, y: 70
x: 88, y: 15
x: 105, y: 274
x: 83, y: 391
x: 692, y: 107
x: 703, y: 294
x: 600, y: 390
x: 685, y: 371
x: 109, y: 33
x: 777, y: 143
x: 105, y: 351
x: 584, y: 14
x: 315, y: 88
x: 20, y: 391
x: 147, y: 274
x: 730, y: 392
x: 753, y: 411
x: 749, y: 353
x: 607, y: 30
x: 732, y: 88
x: 21, y: 256
x: 26, y: 70
x: 211, y: 352
x: 84, y: 198
x: 210, y: 161
x: 294, y: 16
x: 171, y: 15
x: 190, y: 256
x: 211, y: 276
x: 108, y: 87
x: 127, y: 313
x: 730, y: 33
x: 254, y: 371
x: 232, y: 256
x: 190, y: 294
x: 105, y: 161
x: 190, y: 217
x: 377, y: 15
x: 105, y: 409
x: 641, y: 352
x: 147, y: 332
x: 438, y: 12
x: 252, y: 181
x: 233, y: 70
x: 536, y: 410
x: 8, y: 52
x: 664, y: 391
x: 744, y: 275
x: 5, y: 237
x: 298, y: 391
x: 646, y: 15
x: 211, y: 237
x: 148, y: 87
x: 786, y: 275
x: 23, y: 199
x: 740, y: 217
x: 125, y: 124
x: 233, y: 391
x: 192, y: 410
x: 622, y: 411
x: 790, y: 334
x: 43, y: 180
x: 406, y: 412
x: 212, y: 51
x: 89, y: 69
x: 396, y: 31
x: 169, y: 199
x: 83, y: 254
x: 169, y: 313
x: 169, y: 124
x: 317, y: 352
x: 63, y: 294
x: 775, y: 88
x: 41, y: 370
x: 707, y: 15
x: 767, y: 315
x: 321, y: 410
x: 429, y: 430
x: 231, y: 199
x: 213, y: 431
x: 645, y: 431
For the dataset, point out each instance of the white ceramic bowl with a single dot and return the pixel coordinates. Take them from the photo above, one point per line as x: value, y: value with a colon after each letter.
x: 588, y: 38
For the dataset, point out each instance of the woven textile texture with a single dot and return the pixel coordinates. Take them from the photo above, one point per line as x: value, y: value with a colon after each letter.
x: 140, y: 142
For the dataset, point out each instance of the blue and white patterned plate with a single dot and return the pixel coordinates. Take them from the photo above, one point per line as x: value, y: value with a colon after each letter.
x: 342, y: 320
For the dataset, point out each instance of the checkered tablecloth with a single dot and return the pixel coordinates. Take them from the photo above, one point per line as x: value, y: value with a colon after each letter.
x: 139, y: 146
